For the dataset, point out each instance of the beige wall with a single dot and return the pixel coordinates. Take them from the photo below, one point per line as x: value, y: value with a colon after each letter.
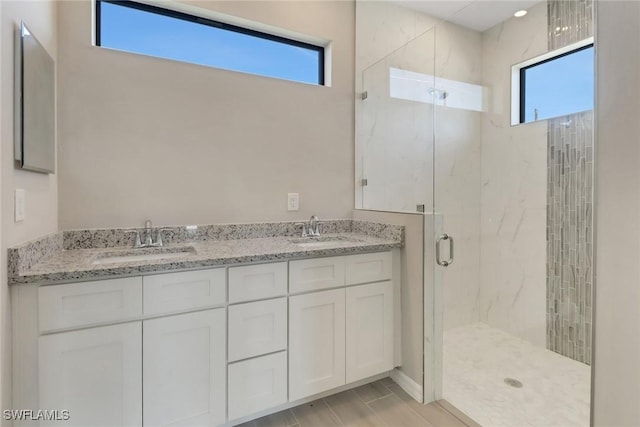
x: 177, y: 143
x: 41, y: 189
x: 617, y: 297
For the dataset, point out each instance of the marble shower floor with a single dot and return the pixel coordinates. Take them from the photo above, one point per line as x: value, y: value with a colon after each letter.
x: 477, y: 359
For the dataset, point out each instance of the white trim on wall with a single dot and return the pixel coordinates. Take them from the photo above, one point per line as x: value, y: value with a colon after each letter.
x: 515, y: 73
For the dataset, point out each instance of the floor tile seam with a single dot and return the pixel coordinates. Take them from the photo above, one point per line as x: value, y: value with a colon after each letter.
x: 293, y: 414
x: 382, y: 420
x: 377, y: 398
x: 429, y: 424
x: 452, y: 414
x: 333, y: 412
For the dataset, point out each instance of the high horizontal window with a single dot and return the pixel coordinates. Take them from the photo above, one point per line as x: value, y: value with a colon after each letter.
x: 556, y: 84
x: 150, y: 30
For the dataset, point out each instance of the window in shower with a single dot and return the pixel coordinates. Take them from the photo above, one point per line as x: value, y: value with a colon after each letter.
x: 555, y: 84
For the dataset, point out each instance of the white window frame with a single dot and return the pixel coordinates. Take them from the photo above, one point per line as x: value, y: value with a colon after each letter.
x: 515, y: 74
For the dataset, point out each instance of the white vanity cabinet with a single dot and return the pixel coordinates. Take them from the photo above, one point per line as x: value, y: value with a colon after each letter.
x: 341, y: 335
x: 316, y: 342
x: 207, y: 347
x: 369, y: 337
x: 94, y: 373
x: 184, y: 369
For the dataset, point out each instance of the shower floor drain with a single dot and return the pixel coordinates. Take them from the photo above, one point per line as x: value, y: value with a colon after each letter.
x: 513, y: 382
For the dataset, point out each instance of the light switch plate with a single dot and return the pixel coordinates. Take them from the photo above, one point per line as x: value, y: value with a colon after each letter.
x: 19, y: 205
x: 293, y: 201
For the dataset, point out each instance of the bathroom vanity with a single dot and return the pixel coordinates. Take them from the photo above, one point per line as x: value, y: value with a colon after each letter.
x: 250, y: 332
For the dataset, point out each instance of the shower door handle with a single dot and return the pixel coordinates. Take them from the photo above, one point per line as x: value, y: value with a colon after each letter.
x: 447, y: 263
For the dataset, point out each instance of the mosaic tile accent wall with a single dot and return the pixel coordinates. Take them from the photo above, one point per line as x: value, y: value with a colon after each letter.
x: 569, y: 21
x: 570, y: 203
x: 570, y: 235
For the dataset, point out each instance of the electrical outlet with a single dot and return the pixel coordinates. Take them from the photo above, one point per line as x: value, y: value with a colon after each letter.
x: 293, y: 201
x: 19, y: 205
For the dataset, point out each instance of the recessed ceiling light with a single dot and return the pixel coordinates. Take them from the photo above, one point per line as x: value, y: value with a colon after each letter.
x: 520, y: 13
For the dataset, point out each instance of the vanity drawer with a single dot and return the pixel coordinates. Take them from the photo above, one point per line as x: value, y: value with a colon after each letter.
x: 366, y: 268
x: 257, y: 328
x: 89, y: 303
x: 315, y: 274
x: 165, y: 293
x: 260, y: 281
x: 257, y: 384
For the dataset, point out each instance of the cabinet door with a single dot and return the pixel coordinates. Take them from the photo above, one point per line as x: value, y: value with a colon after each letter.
x: 184, y: 369
x: 95, y: 373
x: 369, y: 330
x: 316, y: 343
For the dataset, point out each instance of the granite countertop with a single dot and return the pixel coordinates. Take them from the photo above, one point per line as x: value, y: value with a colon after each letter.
x: 69, y: 265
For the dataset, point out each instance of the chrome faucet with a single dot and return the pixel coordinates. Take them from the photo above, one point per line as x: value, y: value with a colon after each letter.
x: 148, y: 237
x: 148, y: 240
x: 314, y: 226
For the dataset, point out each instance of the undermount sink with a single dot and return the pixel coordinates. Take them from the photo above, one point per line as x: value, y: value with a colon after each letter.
x: 323, y: 241
x: 143, y: 254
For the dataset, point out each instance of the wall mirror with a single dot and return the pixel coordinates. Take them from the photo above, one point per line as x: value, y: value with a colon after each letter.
x: 34, y: 127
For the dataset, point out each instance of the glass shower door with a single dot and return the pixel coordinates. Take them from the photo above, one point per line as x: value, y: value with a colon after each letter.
x: 511, y: 297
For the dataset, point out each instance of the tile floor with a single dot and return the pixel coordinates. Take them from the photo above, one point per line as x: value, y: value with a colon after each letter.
x: 379, y: 404
x: 477, y: 359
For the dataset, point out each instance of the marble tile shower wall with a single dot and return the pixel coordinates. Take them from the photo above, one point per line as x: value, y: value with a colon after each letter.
x: 570, y: 203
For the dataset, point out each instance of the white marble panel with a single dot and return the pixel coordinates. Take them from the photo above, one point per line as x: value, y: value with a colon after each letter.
x: 513, y: 195
x: 382, y: 27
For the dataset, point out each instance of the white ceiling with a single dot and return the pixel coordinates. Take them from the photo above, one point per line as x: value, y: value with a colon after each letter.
x: 479, y: 15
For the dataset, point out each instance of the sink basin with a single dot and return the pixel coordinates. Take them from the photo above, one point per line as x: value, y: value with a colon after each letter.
x: 143, y: 254
x: 324, y: 241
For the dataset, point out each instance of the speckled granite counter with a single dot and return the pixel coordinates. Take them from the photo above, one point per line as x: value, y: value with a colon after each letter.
x: 76, y: 255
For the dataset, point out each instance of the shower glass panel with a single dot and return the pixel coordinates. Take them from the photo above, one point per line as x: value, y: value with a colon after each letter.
x: 507, y: 315
x: 395, y: 130
x: 512, y: 313
x: 394, y: 171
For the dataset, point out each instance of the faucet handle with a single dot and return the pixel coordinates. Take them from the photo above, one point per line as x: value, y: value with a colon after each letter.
x: 159, y: 241
x: 137, y: 242
x: 304, y: 229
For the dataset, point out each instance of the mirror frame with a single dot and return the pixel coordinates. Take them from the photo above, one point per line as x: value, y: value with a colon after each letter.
x: 35, y: 128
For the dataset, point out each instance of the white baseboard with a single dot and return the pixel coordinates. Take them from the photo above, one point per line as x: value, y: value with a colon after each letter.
x: 288, y: 405
x: 412, y: 388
